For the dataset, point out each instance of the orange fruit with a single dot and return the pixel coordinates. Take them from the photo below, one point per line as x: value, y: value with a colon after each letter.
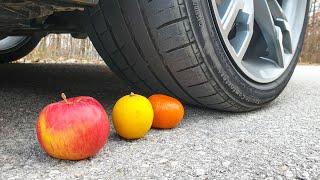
x: 168, y: 111
x: 132, y: 116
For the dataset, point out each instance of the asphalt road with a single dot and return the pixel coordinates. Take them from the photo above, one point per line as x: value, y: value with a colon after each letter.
x: 281, y: 141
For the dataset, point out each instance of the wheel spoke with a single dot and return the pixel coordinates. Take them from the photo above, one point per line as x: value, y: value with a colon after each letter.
x: 286, y: 31
x: 237, y: 19
x: 244, y: 35
x: 282, y: 22
x: 229, y: 11
x: 271, y: 32
x: 276, y: 10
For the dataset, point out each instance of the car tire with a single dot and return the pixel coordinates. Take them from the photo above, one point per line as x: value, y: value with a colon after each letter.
x: 174, y: 47
x: 17, y: 49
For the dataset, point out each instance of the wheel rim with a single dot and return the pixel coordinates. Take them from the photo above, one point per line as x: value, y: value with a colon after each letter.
x: 9, y: 42
x: 261, y: 36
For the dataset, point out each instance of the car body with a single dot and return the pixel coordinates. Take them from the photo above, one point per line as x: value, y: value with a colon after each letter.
x: 30, y: 16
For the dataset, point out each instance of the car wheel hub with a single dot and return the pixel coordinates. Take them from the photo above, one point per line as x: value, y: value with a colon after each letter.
x: 261, y: 36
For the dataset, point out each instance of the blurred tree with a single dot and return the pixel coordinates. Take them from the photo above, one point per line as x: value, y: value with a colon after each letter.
x: 311, y: 49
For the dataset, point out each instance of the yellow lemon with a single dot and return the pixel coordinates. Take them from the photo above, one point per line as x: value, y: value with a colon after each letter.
x: 132, y: 116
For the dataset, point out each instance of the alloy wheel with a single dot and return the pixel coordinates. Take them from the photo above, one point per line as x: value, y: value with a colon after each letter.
x: 261, y: 36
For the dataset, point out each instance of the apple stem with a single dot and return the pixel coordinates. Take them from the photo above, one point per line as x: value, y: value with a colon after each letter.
x: 132, y: 94
x: 64, y: 97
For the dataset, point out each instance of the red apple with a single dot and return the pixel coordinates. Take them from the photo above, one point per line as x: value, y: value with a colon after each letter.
x: 73, y: 129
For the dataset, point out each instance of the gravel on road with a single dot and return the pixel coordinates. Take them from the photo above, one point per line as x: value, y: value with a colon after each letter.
x: 280, y: 141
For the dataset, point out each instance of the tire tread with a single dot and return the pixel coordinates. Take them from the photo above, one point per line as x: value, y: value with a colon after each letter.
x: 150, y: 43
